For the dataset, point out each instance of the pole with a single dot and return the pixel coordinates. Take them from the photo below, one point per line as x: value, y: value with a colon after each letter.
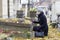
x: 28, y: 8
x: 28, y: 5
x: 20, y: 1
x: 8, y: 10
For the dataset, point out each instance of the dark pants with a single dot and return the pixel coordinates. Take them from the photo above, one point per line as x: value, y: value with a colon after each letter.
x: 46, y: 32
x: 39, y: 29
x: 36, y: 28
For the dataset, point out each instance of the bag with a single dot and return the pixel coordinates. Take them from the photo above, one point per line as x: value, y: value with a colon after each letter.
x: 39, y: 34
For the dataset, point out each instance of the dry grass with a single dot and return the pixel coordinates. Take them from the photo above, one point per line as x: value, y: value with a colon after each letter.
x: 52, y: 35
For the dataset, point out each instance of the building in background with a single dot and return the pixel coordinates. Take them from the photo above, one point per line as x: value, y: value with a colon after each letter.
x: 11, y: 8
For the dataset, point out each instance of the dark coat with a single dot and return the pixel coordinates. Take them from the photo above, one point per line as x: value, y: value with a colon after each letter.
x: 43, y: 23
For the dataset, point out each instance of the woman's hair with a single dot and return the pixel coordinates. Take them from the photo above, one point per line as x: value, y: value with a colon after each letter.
x: 41, y: 12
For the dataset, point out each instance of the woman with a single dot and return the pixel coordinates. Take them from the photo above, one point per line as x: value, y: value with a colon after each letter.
x: 43, y: 23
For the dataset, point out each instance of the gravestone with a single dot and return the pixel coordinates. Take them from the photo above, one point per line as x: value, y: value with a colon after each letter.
x: 20, y: 14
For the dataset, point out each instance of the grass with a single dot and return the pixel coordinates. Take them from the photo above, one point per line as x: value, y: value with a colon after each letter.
x: 53, y: 34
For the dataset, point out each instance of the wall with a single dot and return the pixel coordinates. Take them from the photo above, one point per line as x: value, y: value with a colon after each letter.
x: 5, y: 8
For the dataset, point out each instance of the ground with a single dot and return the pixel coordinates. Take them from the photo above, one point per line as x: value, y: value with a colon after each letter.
x: 52, y: 35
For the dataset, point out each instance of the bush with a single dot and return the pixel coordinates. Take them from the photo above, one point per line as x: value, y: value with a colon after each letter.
x: 33, y: 10
x: 53, y: 25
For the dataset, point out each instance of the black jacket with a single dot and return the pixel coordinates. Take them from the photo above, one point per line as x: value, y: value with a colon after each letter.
x: 42, y: 21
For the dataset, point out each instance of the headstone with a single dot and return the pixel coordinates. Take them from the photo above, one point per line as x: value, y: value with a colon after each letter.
x: 20, y: 14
